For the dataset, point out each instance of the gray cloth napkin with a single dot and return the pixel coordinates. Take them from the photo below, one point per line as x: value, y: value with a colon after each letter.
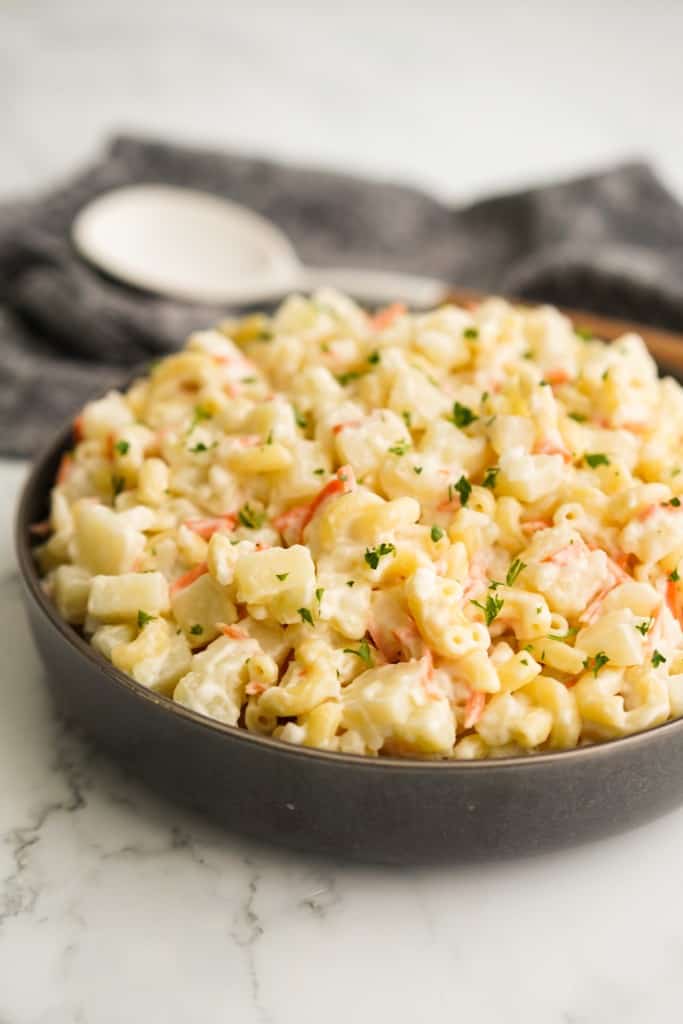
x: 609, y: 242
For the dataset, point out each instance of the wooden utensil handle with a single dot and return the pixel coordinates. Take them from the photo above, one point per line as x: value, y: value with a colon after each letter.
x: 666, y: 347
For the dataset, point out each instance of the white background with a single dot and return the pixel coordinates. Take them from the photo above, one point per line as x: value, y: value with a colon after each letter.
x: 114, y: 907
x: 462, y: 97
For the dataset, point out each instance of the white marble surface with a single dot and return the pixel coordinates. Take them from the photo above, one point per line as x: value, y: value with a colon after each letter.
x: 115, y: 906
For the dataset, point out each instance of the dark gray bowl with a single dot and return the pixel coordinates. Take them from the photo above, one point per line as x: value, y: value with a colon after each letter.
x: 388, y: 810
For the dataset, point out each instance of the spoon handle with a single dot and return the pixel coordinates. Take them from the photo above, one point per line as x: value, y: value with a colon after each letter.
x: 374, y: 286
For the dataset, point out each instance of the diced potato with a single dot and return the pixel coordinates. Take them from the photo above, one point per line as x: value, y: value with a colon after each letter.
x: 105, y: 416
x: 215, y: 684
x: 118, y: 598
x: 104, y: 543
x: 157, y: 658
x: 71, y: 589
x: 276, y: 582
x: 200, y: 607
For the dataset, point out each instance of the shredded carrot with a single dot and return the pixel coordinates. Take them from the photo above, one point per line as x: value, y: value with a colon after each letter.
x: 385, y: 317
x: 211, y: 524
x: 248, y: 440
x: 533, y: 525
x: 65, y: 467
x: 109, y: 446
x: 254, y: 688
x: 558, y: 376
x: 548, y: 447
x: 296, y: 519
x: 189, y: 577
x: 234, y: 632
x: 78, y: 428
x: 40, y: 529
x: 672, y: 599
x: 474, y: 708
x: 647, y: 513
x: 338, y: 427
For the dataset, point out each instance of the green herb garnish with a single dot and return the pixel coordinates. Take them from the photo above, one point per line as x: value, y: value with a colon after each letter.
x: 251, y: 517
x: 490, y: 477
x: 596, y: 663
x: 596, y: 459
x: 373, y: 555
x: 122, y: 447
x: 306, y: 616
x: 363, y: 652
x: 514, y: 571
x: 492, y: 607
x: 196, y: 630
x: 400, y: 448
x: 143, y: 618
x: 464, y: 489
x: 462, y: 416
x: 436, y: 533
x: 657, y: 659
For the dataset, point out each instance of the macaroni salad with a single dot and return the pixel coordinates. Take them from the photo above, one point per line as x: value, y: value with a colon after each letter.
x: 453, y: 534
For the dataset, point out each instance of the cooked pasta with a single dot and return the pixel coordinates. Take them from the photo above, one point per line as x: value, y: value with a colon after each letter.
x: 453, y: 534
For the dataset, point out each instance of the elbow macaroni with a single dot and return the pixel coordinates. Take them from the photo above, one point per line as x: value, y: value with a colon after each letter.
x: 449, y: 534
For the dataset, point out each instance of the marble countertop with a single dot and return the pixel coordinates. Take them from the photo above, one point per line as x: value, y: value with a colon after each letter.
x: 115, y: 906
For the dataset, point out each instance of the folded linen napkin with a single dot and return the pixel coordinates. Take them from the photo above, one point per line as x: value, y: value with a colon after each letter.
x: 610, y: 242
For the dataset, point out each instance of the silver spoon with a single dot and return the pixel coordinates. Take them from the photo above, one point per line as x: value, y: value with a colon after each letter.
x: 198, y: 247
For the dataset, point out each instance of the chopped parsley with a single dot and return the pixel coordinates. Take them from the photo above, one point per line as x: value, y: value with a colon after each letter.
x: 143, y: 618
x: 676, y: 502
x: 346, y: 378
x: 471, y: 333
x: 657, y: 659
x: 407, y: 418
x: 118, y: 483
x: 264, y: 336
x: 122, y: 447
x: 492, y: 607
x: 350, y: 583
x: 464, y: 489
x: 306, y: 616
x: 490, y: 477
x: 418, y: 469
x: 400, y: 448
x: 200, y: 413
x: 301, y: 420
x: 373, y: 555
x: 584, y: 333
x: 319, y: 471
x: 462, y: 416
x: 674, y: 576
x: 595, y: 459
x: 363, y: 652
x: 201, y: 447
x: 319, y: 594
x: 436, y: 533
x: 374, y: 358
x: 514, y: 571
x: 645, y: 627
x: 282, y: 576
x: 578, y: 416
x: 596, y: 663
x: 196, y: 630
x: 251, y: 517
